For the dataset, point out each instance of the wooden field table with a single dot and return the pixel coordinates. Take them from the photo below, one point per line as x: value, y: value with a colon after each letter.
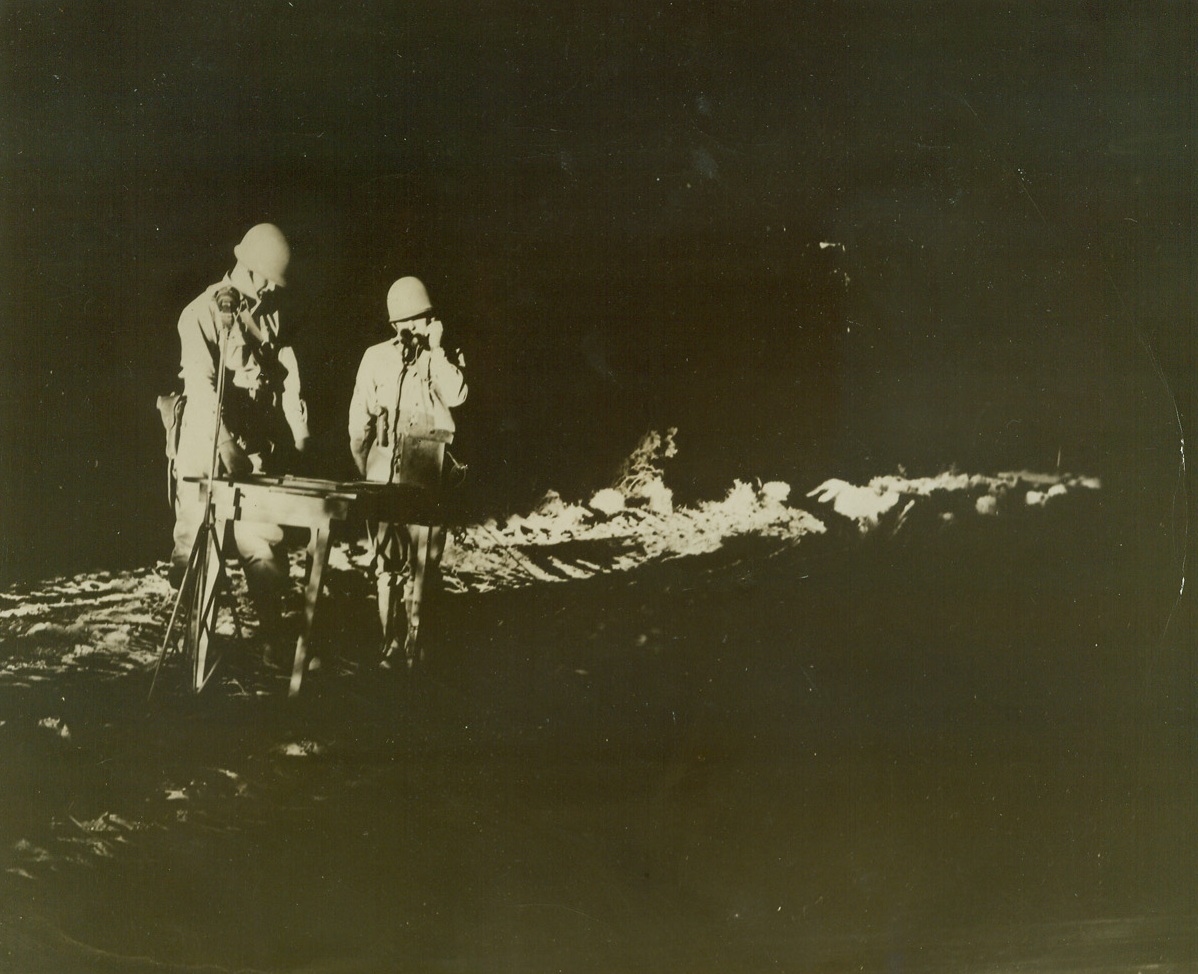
x: 300, y: 502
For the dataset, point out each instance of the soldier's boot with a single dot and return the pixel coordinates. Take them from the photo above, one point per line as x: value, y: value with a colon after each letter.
x: 413, y: 649
x: 390, y: 607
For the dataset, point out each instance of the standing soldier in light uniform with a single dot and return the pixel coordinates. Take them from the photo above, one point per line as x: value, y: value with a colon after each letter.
x: 399, y: 425
x: 263, y: 419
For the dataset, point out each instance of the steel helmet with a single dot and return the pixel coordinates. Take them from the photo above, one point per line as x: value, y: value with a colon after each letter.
x: 265, y: 251
x: 407, y: 299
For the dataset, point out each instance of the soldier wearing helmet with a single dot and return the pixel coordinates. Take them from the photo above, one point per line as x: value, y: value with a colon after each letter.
x: 399, y: 425
x: 263, y: 419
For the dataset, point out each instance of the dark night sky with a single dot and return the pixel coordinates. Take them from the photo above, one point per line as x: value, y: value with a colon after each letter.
x: 619, y: 207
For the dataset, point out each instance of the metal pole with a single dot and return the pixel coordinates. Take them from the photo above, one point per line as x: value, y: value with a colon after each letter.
x: 197, y: 563
x: 208, y: 527
x: 170, y: 626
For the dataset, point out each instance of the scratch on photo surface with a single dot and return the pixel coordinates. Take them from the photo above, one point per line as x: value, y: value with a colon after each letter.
x: 1179, y: 488
x: 150, y: 963
x: 1006, y: 162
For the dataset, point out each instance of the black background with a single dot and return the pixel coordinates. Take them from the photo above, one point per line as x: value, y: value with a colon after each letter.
x: 619, y: 208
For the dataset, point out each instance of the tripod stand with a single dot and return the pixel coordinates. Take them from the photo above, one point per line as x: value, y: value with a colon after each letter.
x: 195, y: 602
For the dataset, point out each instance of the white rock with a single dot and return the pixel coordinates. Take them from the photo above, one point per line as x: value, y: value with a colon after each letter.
x: 776, y: 492
x: 659, y: 496
x: 865, y: 505
x: 56, y: 725
x: 608, y: 501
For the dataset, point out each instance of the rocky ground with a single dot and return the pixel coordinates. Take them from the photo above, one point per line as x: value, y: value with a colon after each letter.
x: 919, y: 723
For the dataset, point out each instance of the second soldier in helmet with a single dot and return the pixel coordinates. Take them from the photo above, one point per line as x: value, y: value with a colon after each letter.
x: 400, y: 422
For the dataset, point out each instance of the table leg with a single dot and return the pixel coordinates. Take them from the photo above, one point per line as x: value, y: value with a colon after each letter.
x: 318, y: 556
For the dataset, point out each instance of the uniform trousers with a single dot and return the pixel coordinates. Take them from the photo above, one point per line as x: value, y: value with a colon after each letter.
x: 263, y: 556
